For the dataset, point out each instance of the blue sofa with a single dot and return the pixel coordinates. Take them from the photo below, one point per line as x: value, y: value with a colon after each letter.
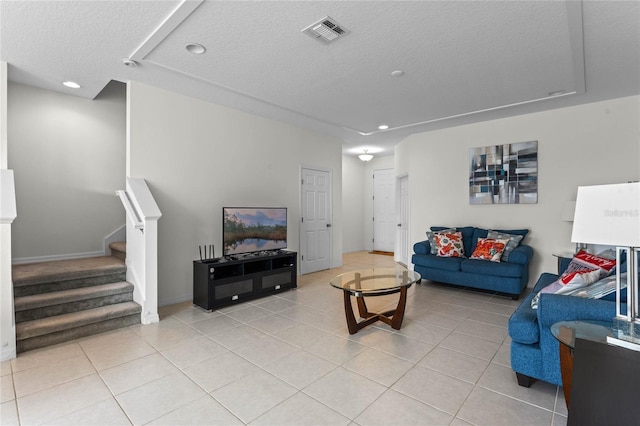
x: 509, y: 277
x: 534, y: 350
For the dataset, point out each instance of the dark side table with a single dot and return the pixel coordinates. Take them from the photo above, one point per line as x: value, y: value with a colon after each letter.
x: 566, y: 333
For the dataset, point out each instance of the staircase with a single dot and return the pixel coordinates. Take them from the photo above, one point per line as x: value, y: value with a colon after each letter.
x: 66, y: 299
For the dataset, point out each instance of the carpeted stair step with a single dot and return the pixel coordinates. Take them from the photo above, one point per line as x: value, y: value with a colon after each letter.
x: 118, y: 250
x: 28, y: 308
x: 37, y: 278
x: 61, y: 328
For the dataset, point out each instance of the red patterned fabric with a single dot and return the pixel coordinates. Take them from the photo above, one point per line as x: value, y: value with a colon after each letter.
x: 450, y: 244
x: 489, y: 249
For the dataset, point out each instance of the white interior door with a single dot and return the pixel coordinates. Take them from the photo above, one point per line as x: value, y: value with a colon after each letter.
x: 402, y: 227
x: 315, y: 221
x: 384, y: 210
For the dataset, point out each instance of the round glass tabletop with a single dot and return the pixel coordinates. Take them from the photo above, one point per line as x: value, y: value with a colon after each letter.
x: 567, y: 331
x: 375, y: 281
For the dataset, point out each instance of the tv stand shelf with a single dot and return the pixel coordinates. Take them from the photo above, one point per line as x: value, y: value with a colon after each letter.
x: 221, y: 282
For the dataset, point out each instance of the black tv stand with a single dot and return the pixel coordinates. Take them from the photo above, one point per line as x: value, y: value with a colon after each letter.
x: 229, y: 280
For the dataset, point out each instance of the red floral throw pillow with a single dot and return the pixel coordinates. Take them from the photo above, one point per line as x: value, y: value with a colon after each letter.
x: 489, y: 249
x: 450, y: 244
x: 583, y: 270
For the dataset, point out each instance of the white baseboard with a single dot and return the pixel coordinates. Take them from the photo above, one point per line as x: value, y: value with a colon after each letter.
x: 175, y: 300
x: 116, y: 236
x: 8, y: 353
x: 20, y: 260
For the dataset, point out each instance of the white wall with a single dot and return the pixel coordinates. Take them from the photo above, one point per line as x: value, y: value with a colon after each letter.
x: 68, y: 155
x: 357, y: 201
x: 198, y: 157
x: 353, y: 183
x: 590, y: 144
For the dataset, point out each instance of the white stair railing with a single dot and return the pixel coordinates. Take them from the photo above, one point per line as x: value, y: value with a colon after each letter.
x: 8, y: 213
x: 142, y: 246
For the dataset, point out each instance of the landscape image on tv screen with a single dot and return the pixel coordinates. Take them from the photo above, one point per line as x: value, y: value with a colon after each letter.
x: 247, y: 230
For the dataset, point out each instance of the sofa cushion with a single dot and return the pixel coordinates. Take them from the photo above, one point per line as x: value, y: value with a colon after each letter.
x: 431, y: 236
x: 449, y: 244
x: 446, y: 263
x: 583, y: 270
x: 514, y: 241
x: 467, y: 236
x: 489, y: 249
x: 502, y: 269
x: 484, y: 233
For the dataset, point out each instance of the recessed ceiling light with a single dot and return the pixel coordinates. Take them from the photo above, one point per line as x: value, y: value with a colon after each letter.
x: 383, y: 127
x: 397, y: 73
x: 195, y: 48
x: 71, y: 84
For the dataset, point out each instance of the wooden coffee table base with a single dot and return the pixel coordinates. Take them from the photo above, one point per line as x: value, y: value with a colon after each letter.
x: 393, y: 318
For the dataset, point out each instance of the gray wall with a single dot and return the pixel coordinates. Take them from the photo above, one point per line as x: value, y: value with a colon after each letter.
x: 198, y: 157
x: 68, y: 155
x: 589, y: 144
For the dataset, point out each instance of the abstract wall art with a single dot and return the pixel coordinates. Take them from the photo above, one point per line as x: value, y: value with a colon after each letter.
x: 504, y: 174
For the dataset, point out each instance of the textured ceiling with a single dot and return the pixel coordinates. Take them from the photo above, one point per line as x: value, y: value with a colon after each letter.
x: 462, y: 61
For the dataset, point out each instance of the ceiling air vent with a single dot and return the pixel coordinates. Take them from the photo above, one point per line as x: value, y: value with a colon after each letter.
x: 326, y: 30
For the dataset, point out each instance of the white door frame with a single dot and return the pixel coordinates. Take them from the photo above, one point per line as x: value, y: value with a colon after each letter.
x: 300, y: 211
x: 376, y: 223
x: 398, y: 211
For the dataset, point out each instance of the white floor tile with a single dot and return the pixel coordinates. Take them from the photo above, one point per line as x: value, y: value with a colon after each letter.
x: 219, y: 371
x: 378, y: 366
x: 456, y: 364
x: 103, y: 413
x: 157, y: 398
x: 193, y: 351
x: 135, y: 373
x: 504, y: 410
x: 9, y: 414
x: 38, y: 378
x: 253, y: 395
x: 58, y: 401
x: 443, y: 392
x: 7, y: 392
x: 346, y: 392
x: 301, y: 410
x: 300, y: 368
x: 393, y: 408
x: 204, y: 411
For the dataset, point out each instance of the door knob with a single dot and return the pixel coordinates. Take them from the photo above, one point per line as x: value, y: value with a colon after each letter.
x: 328, y: 225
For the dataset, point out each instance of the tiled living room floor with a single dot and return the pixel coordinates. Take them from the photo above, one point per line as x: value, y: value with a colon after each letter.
x: 289, y: 360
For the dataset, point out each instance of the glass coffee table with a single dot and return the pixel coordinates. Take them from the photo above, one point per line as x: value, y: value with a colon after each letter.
x: 374, y: 282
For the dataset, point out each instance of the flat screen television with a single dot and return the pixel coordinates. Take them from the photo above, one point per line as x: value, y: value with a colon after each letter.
x: 253, y: 229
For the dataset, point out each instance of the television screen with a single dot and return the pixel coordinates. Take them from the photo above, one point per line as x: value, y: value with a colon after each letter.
x: 251, y: 229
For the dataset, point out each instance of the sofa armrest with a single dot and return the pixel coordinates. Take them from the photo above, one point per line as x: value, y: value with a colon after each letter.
x: 553, y: 308
x: 422, y: 247
x: 521, y: 255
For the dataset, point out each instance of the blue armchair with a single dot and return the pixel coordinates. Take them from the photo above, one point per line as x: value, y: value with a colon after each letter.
x: 534, y: 350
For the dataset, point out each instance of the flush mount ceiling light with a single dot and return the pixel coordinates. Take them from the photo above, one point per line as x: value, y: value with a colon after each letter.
x: 71, y: 84
x: 397, y: 73
x: 195, y: 48
x: 365, y: 157
x: 383, y: 127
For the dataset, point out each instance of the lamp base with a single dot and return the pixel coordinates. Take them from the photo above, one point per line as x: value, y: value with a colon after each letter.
x: 625, y: 334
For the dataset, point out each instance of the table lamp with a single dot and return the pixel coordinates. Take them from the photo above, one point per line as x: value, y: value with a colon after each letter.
x: 610, y: 215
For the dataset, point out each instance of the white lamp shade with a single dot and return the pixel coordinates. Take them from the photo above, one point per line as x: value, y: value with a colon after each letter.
x: 608, y: 214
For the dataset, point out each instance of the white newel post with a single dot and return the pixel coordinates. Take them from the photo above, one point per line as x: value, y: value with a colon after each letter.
x: 142, y: 246
x: 8, y: 213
